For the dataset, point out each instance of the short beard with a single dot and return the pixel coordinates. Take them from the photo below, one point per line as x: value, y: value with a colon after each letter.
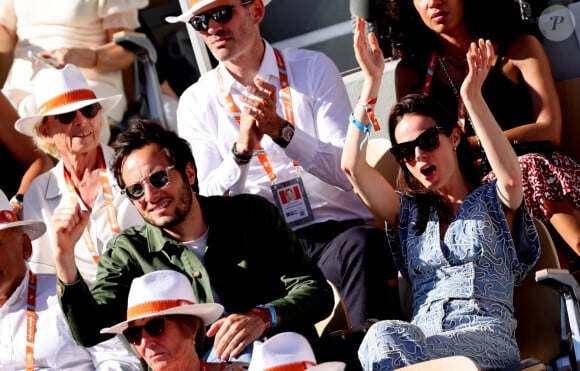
x: 184, y: 202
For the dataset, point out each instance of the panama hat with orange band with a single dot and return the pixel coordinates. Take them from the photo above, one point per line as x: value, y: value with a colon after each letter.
x: 59, y: 91
x: 199, y: 6
x: 162, y: 293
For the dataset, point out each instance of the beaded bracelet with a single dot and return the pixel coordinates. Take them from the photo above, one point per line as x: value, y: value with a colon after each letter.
x: 370, y: 113
x: 366, y: 129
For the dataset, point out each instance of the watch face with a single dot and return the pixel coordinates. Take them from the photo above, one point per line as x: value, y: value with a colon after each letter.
x: 287, y: 133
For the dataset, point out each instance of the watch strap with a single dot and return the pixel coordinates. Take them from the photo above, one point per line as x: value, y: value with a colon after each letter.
x: 240, y: 158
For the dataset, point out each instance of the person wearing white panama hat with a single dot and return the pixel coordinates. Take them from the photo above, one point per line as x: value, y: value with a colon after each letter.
x: 35, y: 334
x: 266, y: 119
x: 165, y: 322
x: 66, y: 125
x: 288, y: 351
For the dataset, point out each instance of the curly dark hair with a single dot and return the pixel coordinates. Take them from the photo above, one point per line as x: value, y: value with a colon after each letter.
x: 144, y: 132
x: 426, y: 199
x: 497, y: 20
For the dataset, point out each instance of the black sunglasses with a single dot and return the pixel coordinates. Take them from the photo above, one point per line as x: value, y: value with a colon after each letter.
x: 89, y: 112
x: 427, y: 141
x: 155, y: 328
x: 158, y: 179
x: 221, y: 15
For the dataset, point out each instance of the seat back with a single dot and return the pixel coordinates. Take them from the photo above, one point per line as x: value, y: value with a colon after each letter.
x: 454, y: 363
x: 537, y: 307
x: 338, y: 319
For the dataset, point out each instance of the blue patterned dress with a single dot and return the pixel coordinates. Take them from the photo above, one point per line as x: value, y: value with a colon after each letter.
x: 462, y: 286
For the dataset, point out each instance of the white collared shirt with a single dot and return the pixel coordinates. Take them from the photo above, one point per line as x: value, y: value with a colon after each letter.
x: 54, y: 346
x: 47, y: 192
x: 321, y: 108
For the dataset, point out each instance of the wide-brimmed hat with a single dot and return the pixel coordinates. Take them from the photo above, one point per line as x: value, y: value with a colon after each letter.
x: 162, y: 293
x: 198, y: 6
x: 8, y: 219
x: 288, y: 351
x: 59, y: 91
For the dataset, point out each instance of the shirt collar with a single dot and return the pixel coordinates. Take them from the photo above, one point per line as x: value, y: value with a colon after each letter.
x: 268, y: 71
x: 19, y: 294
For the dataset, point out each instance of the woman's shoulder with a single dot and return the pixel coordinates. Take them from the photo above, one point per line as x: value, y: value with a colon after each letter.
x: 523, y: 46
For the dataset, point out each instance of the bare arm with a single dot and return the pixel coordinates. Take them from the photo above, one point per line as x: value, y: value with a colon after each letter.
x: 376, y: 193
x: 20, y: 145
x: 7, y: 40
x: 528, y: 59
x: 500, y: 153
x: 106, y: 58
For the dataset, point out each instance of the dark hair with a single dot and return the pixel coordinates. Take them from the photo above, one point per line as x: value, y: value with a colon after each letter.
x: 191, y: 327
x: 144, y: 132
x: 428, y: 106
x: 497, y: 20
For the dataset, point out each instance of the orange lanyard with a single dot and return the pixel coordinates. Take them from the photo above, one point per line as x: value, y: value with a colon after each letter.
x: 109, y: 207
x: 461, y: 110
x: 286, y: 97
x: 30, y: 321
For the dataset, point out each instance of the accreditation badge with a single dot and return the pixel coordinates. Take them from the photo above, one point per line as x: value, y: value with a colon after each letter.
x: 292, y: 201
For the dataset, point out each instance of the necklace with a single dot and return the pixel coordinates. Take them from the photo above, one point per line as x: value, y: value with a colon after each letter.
x: 458, y: 62
x: 448, y: 77
x: 462, y: 113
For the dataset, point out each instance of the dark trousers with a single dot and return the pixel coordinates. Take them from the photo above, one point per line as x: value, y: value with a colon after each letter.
x: 355, y: 257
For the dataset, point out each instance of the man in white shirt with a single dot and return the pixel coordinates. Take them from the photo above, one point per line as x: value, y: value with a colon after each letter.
x: 268, y: 120
x: 35, y: 334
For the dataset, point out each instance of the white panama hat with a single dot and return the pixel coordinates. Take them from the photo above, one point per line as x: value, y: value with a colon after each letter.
x: 288, y: 351
x: 196, y: 5
x: 8, y: 219
x: 59, y: 91
x: 161, y: 293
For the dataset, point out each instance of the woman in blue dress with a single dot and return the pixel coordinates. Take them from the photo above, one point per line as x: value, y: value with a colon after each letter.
x: 462, y: 245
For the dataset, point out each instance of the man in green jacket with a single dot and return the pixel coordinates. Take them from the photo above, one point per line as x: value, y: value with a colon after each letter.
x: 236, y: 251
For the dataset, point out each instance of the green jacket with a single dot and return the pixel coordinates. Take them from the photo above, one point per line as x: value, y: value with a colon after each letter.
x: 252, y: 257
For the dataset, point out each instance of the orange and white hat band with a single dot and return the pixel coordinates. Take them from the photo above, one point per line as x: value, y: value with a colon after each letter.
x: 298, y: 366
x: 154, y: 307
x: 66, y: 98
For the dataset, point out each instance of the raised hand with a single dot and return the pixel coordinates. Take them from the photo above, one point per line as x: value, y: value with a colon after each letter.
x: 480, y: 58
x: 367, y: 51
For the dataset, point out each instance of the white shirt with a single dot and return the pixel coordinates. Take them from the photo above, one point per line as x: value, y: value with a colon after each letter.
x: 321, y: 108
x: 46, y: 25
x: 48, y: 191
x: 54, y: 346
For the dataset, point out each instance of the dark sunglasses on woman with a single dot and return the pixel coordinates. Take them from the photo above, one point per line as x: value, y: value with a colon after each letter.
x: 89, y: 112
x: 158, y: 179
x: 427, y: 141
x: 155, y: 328
x: 221, y: 15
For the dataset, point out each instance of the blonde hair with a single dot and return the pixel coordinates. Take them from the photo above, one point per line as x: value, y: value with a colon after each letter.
x: 51, y: 149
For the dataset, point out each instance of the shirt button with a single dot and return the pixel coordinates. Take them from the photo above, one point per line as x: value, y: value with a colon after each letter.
x: 196, y: 274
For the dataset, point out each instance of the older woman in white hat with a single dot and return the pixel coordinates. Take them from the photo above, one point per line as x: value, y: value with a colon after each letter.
x: 164, y: 321
x: 35, y: 334
x: 67, y: 126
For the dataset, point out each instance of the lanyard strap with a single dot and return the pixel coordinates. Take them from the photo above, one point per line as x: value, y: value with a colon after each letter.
x: 30, y: 321
x: 108, y: 198
x: 461, y: 110
x: 286, y: 98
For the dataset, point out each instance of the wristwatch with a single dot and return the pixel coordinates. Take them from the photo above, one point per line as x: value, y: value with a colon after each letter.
x: 240, y: 158
x: 286, y: 134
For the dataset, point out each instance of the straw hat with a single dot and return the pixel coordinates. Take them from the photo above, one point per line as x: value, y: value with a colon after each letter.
x: 59, y: 91
x: 8, y: 219
x: 164, y: 292
x: 198, y: 6
x: 288, y: 351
